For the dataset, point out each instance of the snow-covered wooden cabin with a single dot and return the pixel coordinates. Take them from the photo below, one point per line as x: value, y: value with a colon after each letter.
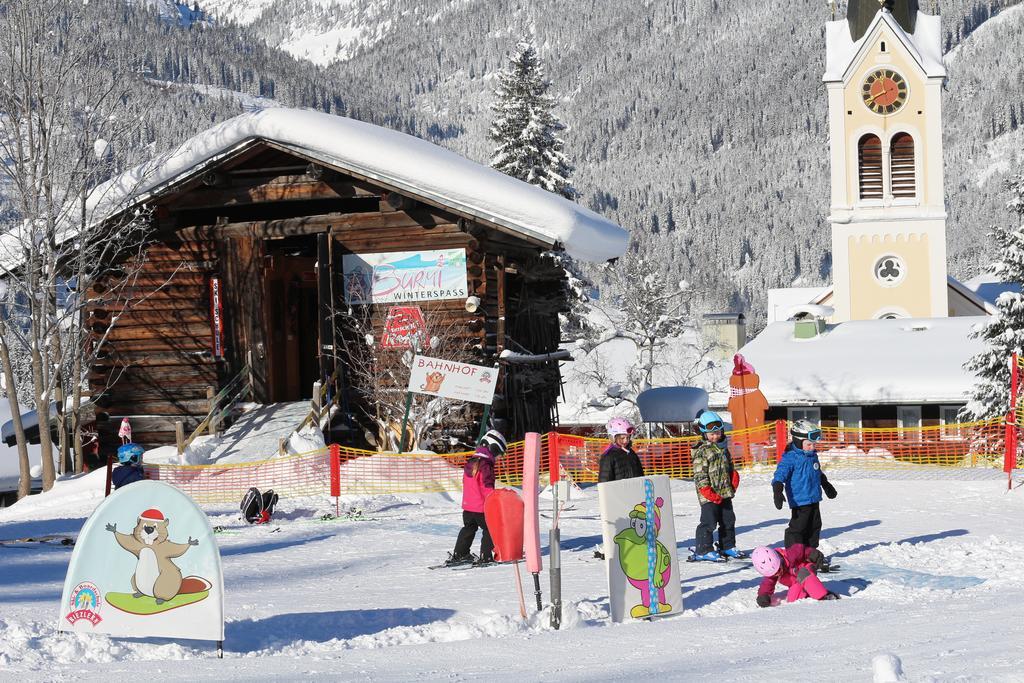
x: 266, y: 225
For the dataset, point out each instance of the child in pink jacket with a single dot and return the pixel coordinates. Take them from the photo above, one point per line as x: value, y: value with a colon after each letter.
x: 477, y: 484
x: 794, y: 567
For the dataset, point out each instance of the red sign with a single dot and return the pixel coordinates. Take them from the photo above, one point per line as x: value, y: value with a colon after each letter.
x: 216, y: 319
x: 402, y: 324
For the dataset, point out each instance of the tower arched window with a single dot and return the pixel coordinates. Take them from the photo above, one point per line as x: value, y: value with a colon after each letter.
x: 869, y: 160
x: 901, y: 166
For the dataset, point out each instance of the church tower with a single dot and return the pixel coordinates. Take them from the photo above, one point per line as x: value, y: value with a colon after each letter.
x: 884, y: 77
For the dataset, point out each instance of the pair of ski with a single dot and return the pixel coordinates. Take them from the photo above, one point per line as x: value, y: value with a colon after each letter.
x: 464, y: 565
x: 825, y: 569
x: 54, y: 539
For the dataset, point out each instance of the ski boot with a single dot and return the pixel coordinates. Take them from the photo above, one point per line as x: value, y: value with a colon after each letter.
x: 483, y: 561
x: 709, y: 556
x: 457, y: 560
x: 734, y: 554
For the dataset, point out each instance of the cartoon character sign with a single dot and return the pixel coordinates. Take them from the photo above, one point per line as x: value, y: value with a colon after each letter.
x: 748, y: 406
x: 639, y: 547
x: 634, y: 560
x: 161, y: 576
x: 433, y: 383
x: 156, y: 576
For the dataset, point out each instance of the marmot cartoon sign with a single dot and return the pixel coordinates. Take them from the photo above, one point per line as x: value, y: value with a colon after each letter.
x: 747, y: 405
x: 161, y: 576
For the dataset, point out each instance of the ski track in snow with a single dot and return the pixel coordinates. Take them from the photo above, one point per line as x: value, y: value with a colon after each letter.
x: 931, y: 574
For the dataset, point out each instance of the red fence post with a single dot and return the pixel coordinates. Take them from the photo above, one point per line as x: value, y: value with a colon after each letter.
x: 334, y: 453
x: 780, y: 439
x: 554, y: 460
x: 110, y: 471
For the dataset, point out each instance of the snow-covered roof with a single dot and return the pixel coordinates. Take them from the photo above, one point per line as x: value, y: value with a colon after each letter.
x: 780, y: 300
x: 925, y: 46
x: 987, y: 287
x: 402, y: 162
x: 862, y: 362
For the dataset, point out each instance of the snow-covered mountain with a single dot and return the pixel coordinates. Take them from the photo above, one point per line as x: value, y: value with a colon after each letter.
x: 321, y: 31
x: 675, y: 121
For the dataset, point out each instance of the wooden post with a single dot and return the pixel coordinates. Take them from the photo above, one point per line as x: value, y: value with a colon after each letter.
x: 280, y: 446
x: 213, y: 417
x: 315, y: 403
x: 252, y: 379
x: 405, y: 421
x: 179, y: 437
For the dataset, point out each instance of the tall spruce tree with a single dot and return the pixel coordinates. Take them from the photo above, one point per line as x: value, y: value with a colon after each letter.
x: 1004, y: 333
x: 525, y: 127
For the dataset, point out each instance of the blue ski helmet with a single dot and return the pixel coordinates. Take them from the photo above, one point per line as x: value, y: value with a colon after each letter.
x: 710, y: 422
x: 129, y: 453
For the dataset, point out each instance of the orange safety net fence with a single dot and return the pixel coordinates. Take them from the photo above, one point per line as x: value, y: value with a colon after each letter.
x: 349, y: 471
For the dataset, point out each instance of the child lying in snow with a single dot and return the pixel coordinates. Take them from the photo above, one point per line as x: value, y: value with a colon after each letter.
x: 795, y: 568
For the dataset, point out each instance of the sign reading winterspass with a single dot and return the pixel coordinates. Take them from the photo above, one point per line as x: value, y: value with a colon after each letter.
x: 405, y: 276
x: 451, y: 379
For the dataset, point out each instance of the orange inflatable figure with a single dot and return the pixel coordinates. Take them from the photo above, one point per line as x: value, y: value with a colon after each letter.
x: 747, y: 405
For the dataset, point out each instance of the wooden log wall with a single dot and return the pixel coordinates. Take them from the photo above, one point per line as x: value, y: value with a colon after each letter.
x: 157, y: 361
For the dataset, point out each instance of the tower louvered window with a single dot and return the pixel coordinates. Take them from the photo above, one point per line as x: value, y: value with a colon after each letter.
x: 901, y: 155
x: 869, y: 159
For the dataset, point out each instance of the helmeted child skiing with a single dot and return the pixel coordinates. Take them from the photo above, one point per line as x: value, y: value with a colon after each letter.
x: 793, y: 567
x: 477, y: 484
x: 619, y: 460
x: 716, y: 482
x: 799, y: 475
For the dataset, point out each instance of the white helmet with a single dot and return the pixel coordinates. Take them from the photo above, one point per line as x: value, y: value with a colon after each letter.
x: 805, y: 429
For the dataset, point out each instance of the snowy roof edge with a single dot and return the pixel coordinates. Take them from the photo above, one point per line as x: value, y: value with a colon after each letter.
x: 399, y: 159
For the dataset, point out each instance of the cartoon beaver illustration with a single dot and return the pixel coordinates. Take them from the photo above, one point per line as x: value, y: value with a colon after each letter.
x: 632, y: 543
x: 434, y: 381
x: 155, y: 575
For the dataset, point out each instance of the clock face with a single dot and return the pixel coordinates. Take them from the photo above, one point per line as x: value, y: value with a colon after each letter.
x: 884, y: 91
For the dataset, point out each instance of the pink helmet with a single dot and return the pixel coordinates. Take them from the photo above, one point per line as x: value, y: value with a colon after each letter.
x: 619, y: 425
x: 766, y: 561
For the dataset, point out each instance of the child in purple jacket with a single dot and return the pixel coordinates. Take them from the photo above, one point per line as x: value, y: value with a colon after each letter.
x: 477, y: 484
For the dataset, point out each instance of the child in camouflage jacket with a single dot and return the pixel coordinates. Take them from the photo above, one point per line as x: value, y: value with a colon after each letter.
x: 716, y: 482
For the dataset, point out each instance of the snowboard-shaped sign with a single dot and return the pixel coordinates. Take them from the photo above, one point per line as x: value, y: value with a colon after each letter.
x: 145, y: 564
x: 640, y: 547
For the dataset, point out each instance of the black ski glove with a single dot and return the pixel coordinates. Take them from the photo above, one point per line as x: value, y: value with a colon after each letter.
x: 817, y: 558
x: 764, y: 601
x: 779, y: 498
x: 828, y: 488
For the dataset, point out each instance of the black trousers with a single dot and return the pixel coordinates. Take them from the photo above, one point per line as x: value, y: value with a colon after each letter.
x: 471, y: 521
x: 804, y: 526
x: 724, y: 518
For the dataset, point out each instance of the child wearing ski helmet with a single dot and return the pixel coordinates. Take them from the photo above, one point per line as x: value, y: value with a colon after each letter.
x: 129, y: 470
x: 619, y: 460
x: 477, y: 484
x: 799, y: 475
x: 716, y: 482
x: 794, y: 567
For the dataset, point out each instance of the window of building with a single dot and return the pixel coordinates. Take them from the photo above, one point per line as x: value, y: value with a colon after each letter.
x: 901, y: 166
x: 869, y: 159
x: 949, y: 418
x: 849, y: 419
x: 909, y: 418
x: 812, y: 414
x: 890, y: 271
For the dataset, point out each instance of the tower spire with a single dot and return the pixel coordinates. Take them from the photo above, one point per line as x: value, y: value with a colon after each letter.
x: 860, y: 14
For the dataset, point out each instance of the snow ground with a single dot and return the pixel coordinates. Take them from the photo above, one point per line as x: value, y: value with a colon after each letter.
x: 933, y: 574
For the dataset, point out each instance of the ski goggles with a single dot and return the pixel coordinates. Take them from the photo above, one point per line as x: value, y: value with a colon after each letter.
x: 814, y: 435
x: 712, y: 427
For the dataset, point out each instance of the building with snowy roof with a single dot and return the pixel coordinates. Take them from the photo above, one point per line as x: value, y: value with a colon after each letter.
x: 884, y: 345
x: 282, y: 240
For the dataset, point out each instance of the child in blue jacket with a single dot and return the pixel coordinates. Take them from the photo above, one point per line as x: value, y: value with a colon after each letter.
x: 799, y: 474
